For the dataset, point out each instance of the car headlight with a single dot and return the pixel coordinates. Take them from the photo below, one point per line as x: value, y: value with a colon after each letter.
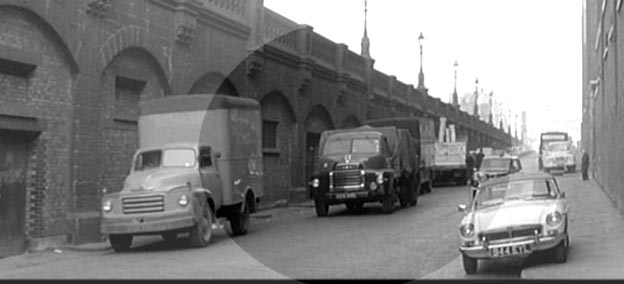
x: 466, y: 230
x: 183, y: 200
x: 315, y: 183
x: 107, y: 205
x: 554, y: 218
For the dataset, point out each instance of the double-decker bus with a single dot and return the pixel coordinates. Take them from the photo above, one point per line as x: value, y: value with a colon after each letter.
x: 547, y: 137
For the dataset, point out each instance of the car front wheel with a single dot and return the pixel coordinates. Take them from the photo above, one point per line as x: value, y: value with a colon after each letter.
x: 120, y: 242
x: 470, y: 264
x: 560, y: 252
x: 321, y: 206
x: 201, y: 233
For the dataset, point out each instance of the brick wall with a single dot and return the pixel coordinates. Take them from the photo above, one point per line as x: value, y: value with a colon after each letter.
x: 46, y: 95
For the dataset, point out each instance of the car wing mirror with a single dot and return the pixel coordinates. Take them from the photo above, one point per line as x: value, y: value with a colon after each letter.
x: 461, y: 207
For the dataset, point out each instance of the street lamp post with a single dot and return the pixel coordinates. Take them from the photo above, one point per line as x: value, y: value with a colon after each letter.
x: 475, y: 110
x: 421, y: 75
x: 455, y: 99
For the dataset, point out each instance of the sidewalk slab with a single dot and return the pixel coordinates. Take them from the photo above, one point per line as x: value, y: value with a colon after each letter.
x: 596, y: 243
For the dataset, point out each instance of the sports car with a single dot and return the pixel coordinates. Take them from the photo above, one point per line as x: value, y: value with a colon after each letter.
x: 514, y: 215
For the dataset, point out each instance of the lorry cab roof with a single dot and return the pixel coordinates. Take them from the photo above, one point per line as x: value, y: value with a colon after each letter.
x: 174, y: 145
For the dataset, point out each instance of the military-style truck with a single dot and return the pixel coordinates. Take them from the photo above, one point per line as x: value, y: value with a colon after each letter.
x: 199, y: 161
x: 422, y: 130
x: 363, y: 164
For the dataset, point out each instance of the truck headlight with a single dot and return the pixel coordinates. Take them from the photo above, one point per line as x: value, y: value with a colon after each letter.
x: 183, y: 200
x: 107, y: 205
x: 554, y: 218
x: 466, y: 230
x: 315, y: 183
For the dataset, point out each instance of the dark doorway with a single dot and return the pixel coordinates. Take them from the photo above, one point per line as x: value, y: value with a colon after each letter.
x: 312, y: 140
x: 14, y: 147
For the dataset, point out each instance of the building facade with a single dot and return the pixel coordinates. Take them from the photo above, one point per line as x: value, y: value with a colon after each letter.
x: 73, y: 72
x: 602, y: 128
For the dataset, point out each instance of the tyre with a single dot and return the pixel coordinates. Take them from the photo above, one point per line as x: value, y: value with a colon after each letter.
x: 388, y: 203
x: 321, y: 206
x: 201, y: 232
x: 169, y: 237
x: 405, y: 197
x: 120, y: 243
x: 240, y: 221
x: 414, y: 197
x: 429, y: 186
x: 470, y: 264
x: 560, y: 252
x: 413, y: 191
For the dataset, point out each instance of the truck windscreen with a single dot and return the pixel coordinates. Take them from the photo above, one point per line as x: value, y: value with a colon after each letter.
x: 349, y: 146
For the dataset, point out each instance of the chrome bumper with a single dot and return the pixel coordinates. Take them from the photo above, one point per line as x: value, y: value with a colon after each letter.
x: 146, y: 223
x: 536, y: 244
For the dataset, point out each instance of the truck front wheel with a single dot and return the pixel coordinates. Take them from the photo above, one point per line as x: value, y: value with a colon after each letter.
x: 321, y: 206
x: 120, y: 242
x: 202, y: 231
x: 240, y: 221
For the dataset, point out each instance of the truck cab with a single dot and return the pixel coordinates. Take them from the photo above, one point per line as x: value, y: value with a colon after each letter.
x: 198, y: 160
x: 355, y: 166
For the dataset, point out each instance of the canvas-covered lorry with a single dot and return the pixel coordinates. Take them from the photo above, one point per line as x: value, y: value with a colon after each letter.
x: 449, y: 163
x: 199, y: 161
x: 422, y: 130
x: 364, y: 164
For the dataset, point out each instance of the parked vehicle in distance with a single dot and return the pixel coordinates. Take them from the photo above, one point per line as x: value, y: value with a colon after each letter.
x: 514, y: 215
x: 493, y: 167
x: 559, y: 156
x: 449, y: 161
x: 547, y: 137
x: 364, y: 164
x: 199, y: 159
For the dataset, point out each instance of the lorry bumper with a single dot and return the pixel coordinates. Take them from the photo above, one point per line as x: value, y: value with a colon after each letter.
x: 146, y: 223
x: 362, y: 196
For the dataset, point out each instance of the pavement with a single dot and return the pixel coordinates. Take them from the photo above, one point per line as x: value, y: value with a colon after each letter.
x: 596, y: 244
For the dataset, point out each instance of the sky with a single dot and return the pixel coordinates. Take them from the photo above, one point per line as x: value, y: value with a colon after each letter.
x: 527, y: 52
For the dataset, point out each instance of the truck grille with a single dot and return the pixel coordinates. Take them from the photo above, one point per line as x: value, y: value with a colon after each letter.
x: 515, y: 233
x: 143, y: 204
x: 346, y: 167
x: 347, y: 179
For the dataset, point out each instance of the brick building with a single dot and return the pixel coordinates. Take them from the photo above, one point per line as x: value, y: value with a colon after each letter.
x: 73, y: 71
x: 602, y: 129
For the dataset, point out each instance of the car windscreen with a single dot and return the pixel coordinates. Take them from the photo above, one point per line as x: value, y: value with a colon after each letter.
x: 513, y: 190
x: 495, y: 164
x: 558, y: 147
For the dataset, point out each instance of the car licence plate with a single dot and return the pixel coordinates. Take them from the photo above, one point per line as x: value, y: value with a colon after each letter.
x: 510, y: 250
x: 345, y: 195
